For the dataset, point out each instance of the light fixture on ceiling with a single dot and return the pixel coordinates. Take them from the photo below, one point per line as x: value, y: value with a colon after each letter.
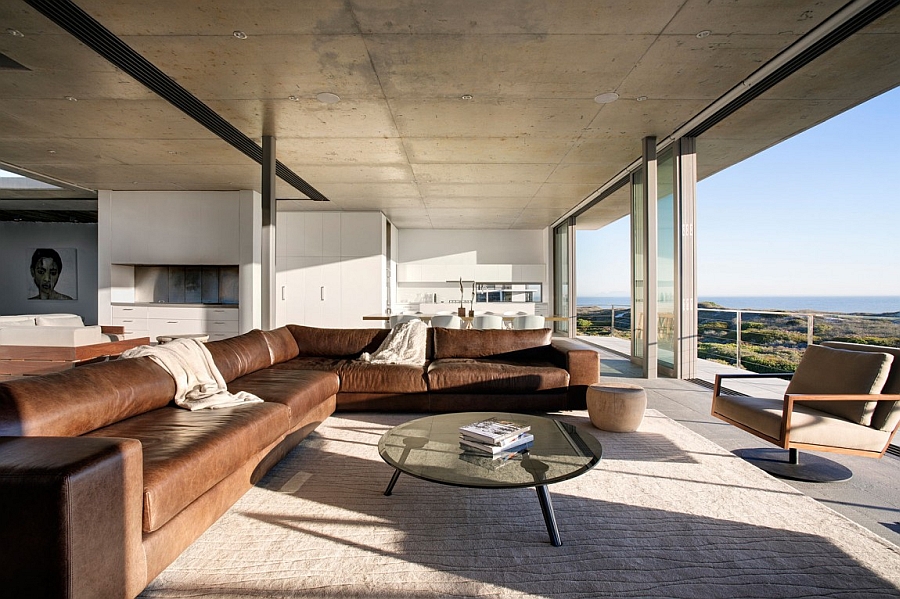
x: 239, y: 35
x: 15, y: 32
x: 328, y: 98
x: 606, y: 98
x: 173, y: 152
x: 51, y: 151
x: 71, y: 98
x: 466, y: 97
x: 293, y: 98
x: 703, y: 34
x: 641, y: 98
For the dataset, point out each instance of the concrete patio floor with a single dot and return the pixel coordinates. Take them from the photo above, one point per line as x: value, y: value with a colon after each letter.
x: 871, y: 498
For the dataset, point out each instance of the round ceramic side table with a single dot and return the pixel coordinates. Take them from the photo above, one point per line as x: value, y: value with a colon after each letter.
x: 616, y: 407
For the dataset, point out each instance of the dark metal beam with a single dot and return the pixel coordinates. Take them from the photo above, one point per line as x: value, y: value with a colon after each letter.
x: 88, y: 30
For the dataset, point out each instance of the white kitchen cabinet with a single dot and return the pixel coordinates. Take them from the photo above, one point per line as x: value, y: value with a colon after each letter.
x: 153, y: 321
x: 330, y: 268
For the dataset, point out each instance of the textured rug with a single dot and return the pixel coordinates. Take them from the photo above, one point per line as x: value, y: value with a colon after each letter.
x: 667, y: 513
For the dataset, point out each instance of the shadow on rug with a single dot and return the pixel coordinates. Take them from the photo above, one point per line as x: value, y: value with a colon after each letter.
x: 667, y: 513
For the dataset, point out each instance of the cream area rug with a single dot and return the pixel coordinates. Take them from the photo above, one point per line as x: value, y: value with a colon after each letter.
x: 666, y: 513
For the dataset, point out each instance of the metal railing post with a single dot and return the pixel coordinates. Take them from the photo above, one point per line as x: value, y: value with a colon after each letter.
x: 612, y: 321
x: 737, y: 338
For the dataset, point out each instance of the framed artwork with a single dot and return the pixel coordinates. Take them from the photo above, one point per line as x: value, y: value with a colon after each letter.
x: 53, y: 274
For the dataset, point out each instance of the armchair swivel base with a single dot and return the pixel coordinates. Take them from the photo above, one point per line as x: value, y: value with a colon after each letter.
x: 788, y: 464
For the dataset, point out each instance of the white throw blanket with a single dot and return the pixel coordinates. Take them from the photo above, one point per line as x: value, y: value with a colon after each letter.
x: 405, y: 344
x: 198, y: 382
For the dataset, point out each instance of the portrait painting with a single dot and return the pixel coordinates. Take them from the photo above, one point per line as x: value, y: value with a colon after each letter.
x: 52, y: 274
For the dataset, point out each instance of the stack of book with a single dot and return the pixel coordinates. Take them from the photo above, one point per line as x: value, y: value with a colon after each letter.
x: 495, y: 437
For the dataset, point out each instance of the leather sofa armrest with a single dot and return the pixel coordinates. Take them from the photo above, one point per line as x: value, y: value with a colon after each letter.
x: 583, y: 365
x: 70, y: 517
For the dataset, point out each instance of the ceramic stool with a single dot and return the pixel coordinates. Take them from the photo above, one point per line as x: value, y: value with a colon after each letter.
x: 617, y: 407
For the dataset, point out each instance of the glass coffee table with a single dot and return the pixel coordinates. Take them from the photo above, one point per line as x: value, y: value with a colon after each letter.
x: 429, y: 448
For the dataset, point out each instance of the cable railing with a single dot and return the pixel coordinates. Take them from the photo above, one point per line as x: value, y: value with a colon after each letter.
x: 769, y: 341
x: 755, y: 340
x: 612, y: 320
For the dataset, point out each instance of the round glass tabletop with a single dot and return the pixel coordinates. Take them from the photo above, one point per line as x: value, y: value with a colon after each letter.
x: 429, y: 448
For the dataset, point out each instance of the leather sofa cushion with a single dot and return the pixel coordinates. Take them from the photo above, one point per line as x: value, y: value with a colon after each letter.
x: 466, y: 375
x: 282, y: 346
x: 311, y: 363
x: 364, y: 377
x: 474, y: 343
x: 336, y: 343
x: 300, y: 390
x: 186, y: 453
x: 237, y: 356
x: 77, y: 401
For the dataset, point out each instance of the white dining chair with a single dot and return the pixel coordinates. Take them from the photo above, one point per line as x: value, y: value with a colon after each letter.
x: 487, y: 321
x: 446, y: 321
x: 528, y: 321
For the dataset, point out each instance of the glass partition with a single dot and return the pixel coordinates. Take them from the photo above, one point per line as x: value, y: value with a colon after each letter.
x: 637, y: 264
x: 561, y: 276
x: 665, y: 266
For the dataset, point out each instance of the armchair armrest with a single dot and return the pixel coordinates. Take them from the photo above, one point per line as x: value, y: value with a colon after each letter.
x: 717, y: 387
x: 70, y: 517
x: 111, y: 329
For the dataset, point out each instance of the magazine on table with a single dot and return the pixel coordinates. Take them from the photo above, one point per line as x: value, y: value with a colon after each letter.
x: 493, y: 431
x: 491, y: 462
x: 514, y: 445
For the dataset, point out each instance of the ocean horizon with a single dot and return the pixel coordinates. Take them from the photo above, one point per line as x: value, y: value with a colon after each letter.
x: 845, y: 304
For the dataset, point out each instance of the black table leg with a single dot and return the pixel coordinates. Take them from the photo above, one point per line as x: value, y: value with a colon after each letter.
x: 391, y: 484
x: 549, y: 518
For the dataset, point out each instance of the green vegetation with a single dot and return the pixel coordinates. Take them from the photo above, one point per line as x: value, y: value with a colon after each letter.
x: 769, y: 342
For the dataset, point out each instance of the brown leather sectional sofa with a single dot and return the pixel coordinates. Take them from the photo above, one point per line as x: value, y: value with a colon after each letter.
x: 104, y: 482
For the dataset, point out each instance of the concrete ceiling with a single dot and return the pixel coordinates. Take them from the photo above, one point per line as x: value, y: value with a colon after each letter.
x: 529, y: 145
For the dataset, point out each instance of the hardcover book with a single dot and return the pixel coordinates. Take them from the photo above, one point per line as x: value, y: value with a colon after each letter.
x: 514, y: 445
x: 493, y: 431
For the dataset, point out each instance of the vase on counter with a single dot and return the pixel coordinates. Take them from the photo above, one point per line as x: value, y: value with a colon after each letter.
x: 461, y: 311
x: 471, y: 312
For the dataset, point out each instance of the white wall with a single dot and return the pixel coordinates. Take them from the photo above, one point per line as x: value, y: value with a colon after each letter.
x: 480, y: 246
x: 17, y: 242
x: 428, y: 258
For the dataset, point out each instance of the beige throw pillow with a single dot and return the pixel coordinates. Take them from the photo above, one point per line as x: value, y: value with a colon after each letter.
x: 824, y: 370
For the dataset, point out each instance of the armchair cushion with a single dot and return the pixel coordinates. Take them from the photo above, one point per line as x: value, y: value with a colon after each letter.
x: 827, y: 371
x: 58, y: 320
x: 16, y: 321
x: 887, y: 413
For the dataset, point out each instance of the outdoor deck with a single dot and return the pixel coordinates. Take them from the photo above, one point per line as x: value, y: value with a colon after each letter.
x: 871, y: 498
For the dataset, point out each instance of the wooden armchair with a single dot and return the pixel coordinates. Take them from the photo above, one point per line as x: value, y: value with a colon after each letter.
x: 843, y: 398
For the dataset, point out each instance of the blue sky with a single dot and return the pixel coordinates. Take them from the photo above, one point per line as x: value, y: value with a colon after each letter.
x: 818, y: 214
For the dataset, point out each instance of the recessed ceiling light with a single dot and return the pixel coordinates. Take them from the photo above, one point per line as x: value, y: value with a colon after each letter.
x: 172, y: 152
x: 15, y: 32
x: 641, y: 98
x: 606, y: 98
x: 71, y: 98
x: 328, y: 98
x: 703, y: 34
x: 240, y: 35
x: 466, y: 97
x: 51, y: 151
x: 293, y: 98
